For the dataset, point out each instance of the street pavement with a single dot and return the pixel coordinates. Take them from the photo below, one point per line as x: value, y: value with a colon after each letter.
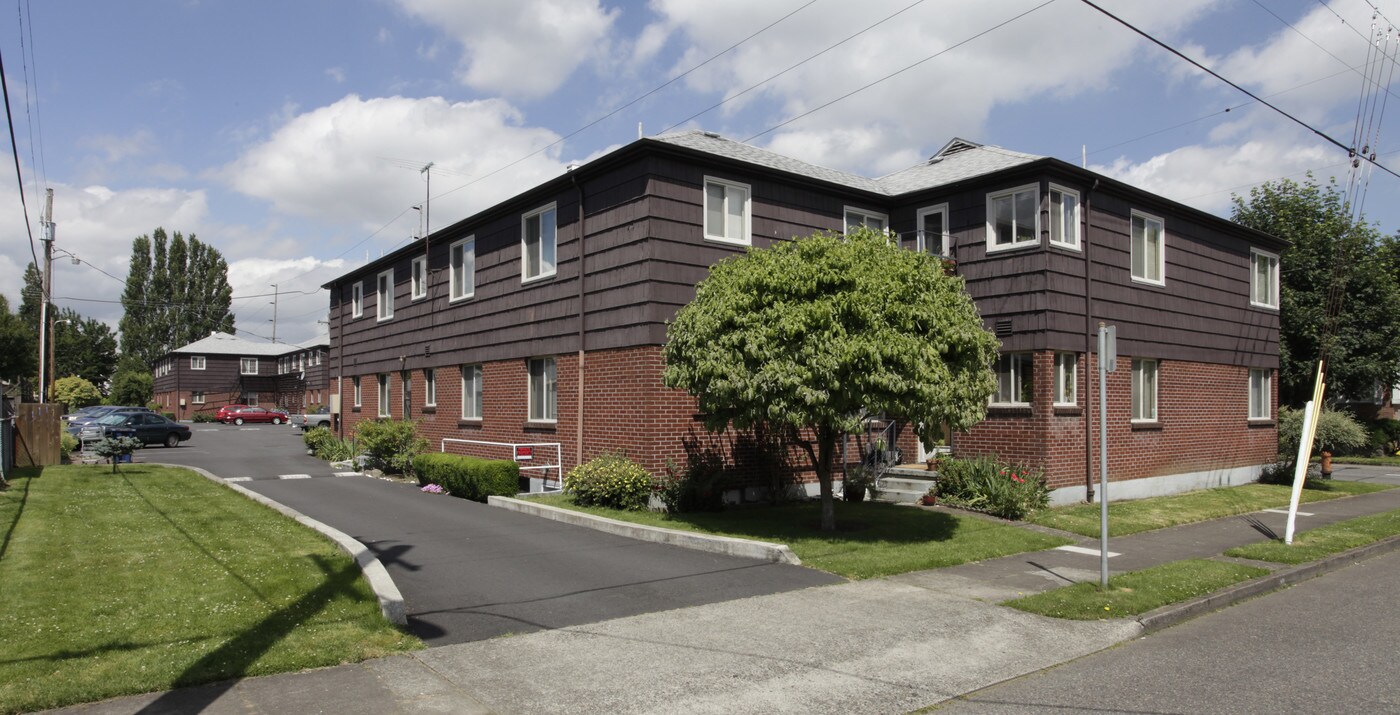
x: 468, y: 571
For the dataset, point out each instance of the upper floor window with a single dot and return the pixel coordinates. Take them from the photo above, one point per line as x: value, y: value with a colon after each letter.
x: 471, y: 392
x: 727, y: 211
x: 1013, y: 218
x: 1064, y: 217
x: 384, y: 295
x: 1263, y: 279
x: 933, y: 231
x: 420, y: 277
x: 1144, y: 390
x: 357, y: 299
x: 1015, y: 384
x: 544, y: 389
x: 1260, y: 394
x: 1148, y: 249
x: 537, y: 243
x: 197, y: 362
x: 869, y: 219
x: 247, y: 366
x: 462, y: 267
x: 1066, y: 378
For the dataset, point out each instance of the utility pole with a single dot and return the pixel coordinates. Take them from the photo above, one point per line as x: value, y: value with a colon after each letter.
x: 274, y: 312
x: 45, y: 330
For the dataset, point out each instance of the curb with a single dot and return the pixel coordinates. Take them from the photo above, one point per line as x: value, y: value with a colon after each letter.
x: 1170, y: 615
x: 390, y: 600
x: 729, y: 546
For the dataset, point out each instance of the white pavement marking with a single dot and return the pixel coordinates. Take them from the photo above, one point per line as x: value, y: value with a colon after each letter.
x: 1082, y: 550
x: 249, y: 429
x: 1285, y: 511
x: 207, y: 429
x: 239, y: 479
x: 1393, y: 475
x: 294, y: 476
x: 347, y: 474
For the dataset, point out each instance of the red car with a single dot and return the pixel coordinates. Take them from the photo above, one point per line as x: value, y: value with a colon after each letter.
x: 256, y: 414
x: 225, y: 413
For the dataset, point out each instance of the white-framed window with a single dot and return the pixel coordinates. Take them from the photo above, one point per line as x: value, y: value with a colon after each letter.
x: 357, y: 299
x: 196, y: 398
x: 1148, y: 249
x: 384, y: 395
x: 197, y: 362
x: 934, y: 238
x: 728, y: 216
x: 1066, y: 379
x: 538, y: 240
x: 462, y: 267
x: 1064, y: 217
x: 406, y: 393
x: 247, y: 366
x: 419, y: 276
x: 1144, y: 390
x: 318, y: 357
x: 471, y: 392
x: 359, y: 396
x: 869, y: 219
x: 429, y: 387
x: 544, y: 390
x: 1015, y: 384
x: 384, y: 295
x: 1260, y: 393
x: 1013, y: 218
x: 1263, y: 279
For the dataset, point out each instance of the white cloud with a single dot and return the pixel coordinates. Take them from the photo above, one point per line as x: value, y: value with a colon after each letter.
x: 526, y: 48
x: 336, y: 74
x: 301, y: 303
x: 357, y: 161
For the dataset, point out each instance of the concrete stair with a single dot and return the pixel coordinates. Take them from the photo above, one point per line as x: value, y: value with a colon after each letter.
x: 905, y: 486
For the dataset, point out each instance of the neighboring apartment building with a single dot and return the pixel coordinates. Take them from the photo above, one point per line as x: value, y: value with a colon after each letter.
x: 486, y: 332
x: 223, y: 369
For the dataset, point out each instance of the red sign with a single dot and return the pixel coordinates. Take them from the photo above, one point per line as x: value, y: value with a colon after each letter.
x: 523, y: 454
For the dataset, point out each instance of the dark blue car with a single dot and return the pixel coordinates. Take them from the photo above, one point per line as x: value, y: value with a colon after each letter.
x: 147, y: 426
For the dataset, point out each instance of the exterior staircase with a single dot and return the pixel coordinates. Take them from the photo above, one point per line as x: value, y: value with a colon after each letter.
x: 904, y: 485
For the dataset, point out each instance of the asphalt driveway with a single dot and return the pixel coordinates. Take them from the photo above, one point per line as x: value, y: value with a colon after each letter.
x: 468, y: 571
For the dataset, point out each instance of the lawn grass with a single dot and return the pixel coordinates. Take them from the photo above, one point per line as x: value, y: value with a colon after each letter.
x: 155, y: 577
x: 1375, y: 461
x: 1137, y: 592
x: 1138, y: 515
x: 1314, y: 544
x: 872, y: 539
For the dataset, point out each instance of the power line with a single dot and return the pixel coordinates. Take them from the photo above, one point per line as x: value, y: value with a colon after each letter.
x: 34, y: 123
x: 14, y: 150
x: 1350, y: 150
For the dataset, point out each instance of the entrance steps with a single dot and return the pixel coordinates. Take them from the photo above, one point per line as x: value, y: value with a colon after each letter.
x: 905, y: 486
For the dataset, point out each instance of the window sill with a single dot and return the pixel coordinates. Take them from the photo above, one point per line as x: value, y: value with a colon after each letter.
x: 461, y: 298
x: 1146, y: 425
x: 1075, y: 247
x: 728, y: 241
x: 428, y: 410
x: 1149, y: 282
x: 1263, y: 306
x: 536, y: 279
x: 354, y: 409
x: 1262, y: 422
x: 470, y: 423
x: 1068, y: 411
x: 1021, y: 246
x: 541, y: 425
x: 1010, y: 410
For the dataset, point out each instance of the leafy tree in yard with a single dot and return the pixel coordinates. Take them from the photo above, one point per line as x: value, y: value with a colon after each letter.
x: 75, y: 392
x: 85, y: 347
x: 18, y: 350
x: 132, y: 384
x: 177, y: 291
x: 1329, y: 251
x: 807, y: 335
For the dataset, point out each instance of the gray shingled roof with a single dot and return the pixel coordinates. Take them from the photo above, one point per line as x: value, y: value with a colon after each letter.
x: 224, y: 344
x: 958, y: 160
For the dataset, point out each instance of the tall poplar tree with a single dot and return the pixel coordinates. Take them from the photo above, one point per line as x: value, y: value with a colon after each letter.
x: 177, y: 291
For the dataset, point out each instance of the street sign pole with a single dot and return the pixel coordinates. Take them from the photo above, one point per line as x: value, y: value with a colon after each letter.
x: 1108, y: 362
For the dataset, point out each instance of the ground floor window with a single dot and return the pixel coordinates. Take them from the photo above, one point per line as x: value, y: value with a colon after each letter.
x: 471, y: 392
x: 1260, y: 394
x: 544, y: 389
x: 197, y: 398
x: 1144, y: 390
x: 407, y: 393
x: 429, y: 387
x: 1014, y: 382
x: 384, y: 396
x: 358, y: 395
x: 1066, y: 378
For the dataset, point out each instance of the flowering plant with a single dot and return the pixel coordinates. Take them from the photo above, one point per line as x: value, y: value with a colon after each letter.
x: 988, y: 484
x: 433, y: 489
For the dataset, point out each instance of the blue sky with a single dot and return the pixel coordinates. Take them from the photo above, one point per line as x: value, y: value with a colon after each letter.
x: 289, y: 135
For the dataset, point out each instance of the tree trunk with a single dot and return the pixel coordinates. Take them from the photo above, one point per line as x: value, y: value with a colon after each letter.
x: 826, y: 447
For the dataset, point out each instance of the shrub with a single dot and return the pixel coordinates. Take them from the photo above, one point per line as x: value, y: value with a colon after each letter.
x: 390, y: 445
x: 697, y: 487
x: 325, y: 445
x: 990, y: 485
x: 67, y: 444
x: 612, y: 481
x: 1335, y: 431
x: 1384, y: 440
x: 117, y: 447
x: 75, y: 392
x: 468, y: 477
x: 202, y: 417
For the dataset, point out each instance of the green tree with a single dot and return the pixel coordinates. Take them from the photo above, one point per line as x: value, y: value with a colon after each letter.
x: 18, y: 349
x: 808, y: 336
x: 177, y: 291
x: 1339, y: 294
x: 31, y: 300
x: 132, y: 384
x: 85, y: 347
x: 75, y: 392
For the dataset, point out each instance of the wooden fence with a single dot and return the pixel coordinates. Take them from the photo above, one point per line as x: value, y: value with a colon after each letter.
x: 37, y: 431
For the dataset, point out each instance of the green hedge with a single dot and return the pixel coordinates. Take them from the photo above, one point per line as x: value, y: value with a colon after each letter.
x: 468, y: 477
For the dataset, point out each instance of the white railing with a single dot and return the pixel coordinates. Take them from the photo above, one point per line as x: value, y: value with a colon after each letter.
x: 525, y: 452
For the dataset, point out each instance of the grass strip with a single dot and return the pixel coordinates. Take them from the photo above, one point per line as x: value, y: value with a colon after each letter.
x: 1138, y: 515
x: 1375, y: 461
x: 1137, y: 592
x: 155, y: 578
x: 873, y: 539
x: 1314, y: 544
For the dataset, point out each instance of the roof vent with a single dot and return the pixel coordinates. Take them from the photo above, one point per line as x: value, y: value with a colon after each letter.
x: 953, y: 147
x: 1002, y: 328
x: 712, y: 135
x: 571, y: 166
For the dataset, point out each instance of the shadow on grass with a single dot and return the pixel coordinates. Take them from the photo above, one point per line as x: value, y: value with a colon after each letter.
x: 863, y: 522
x: 28, y: 474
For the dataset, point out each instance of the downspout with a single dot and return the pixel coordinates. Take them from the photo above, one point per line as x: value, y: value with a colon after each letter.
x: 578, y: 436
x: 1088, y: 349
x: 340, y: 361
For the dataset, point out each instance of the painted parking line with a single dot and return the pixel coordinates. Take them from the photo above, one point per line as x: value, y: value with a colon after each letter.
x: 239, y: 479
x: 1082, y: 550
x: 249, y: 429
x: 1285, y: 511
x: 294, y: 476
x: 348, y: 474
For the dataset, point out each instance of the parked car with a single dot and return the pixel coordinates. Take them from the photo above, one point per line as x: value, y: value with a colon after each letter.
x: 312, y: 420
x: 257, y: 414
x: 225, y: 413
x: 80, y: 421
x: 147, y: 426
x: 85, y: 411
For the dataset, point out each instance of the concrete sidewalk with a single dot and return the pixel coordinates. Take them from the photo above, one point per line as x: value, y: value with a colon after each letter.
x: 878, y: 646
